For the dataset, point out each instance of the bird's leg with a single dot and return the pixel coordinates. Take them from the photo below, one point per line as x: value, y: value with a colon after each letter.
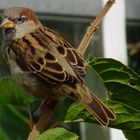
x: 31, y: 113
x: 44, y: 106
x: 47, y: 110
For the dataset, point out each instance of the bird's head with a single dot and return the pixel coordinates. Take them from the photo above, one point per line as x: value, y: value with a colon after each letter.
x: 18, y: 22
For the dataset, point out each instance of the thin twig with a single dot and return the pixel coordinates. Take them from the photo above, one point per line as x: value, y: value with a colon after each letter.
x: 33, y: 134
x: 94, y: 25
x: 41, y: 124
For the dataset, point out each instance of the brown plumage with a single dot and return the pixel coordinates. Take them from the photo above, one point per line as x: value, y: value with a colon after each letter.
x: 45, y: 64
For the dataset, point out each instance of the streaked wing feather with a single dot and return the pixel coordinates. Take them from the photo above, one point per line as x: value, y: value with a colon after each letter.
x: 67, y: 51
x: 40, y: 60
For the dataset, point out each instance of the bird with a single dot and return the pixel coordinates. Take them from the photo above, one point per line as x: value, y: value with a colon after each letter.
x: 45, y: 64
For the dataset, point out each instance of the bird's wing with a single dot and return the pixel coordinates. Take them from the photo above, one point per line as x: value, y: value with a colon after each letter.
x: 68, y: 52
x: 50, y: 57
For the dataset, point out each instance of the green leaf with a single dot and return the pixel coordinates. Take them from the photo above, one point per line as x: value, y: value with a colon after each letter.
x: 57, y: 134
x: 12, y: 93
x: 132, y: 135
x: 127, y: 118
x: 3, y: 135
x: 14, y: 123
x: 123, y: 85
x: 122, y: 82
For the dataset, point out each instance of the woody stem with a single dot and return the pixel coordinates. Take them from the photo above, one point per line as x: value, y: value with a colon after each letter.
x: 94, y: 25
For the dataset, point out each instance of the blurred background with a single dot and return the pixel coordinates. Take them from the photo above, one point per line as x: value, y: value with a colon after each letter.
x: 118, y: 37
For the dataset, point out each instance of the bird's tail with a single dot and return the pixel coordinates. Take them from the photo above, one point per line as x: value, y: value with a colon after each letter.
x: 93, y: 104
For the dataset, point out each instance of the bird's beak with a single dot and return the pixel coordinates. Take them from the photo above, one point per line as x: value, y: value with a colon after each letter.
x: 7, y: 24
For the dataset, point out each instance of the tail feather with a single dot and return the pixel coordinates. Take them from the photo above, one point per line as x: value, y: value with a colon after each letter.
x: 109, y: 113
x: 93, y: 104
x: 97, y: 110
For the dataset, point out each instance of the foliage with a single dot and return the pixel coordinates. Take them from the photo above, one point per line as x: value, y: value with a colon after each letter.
x: 57, y: 134
x: 123, y: 86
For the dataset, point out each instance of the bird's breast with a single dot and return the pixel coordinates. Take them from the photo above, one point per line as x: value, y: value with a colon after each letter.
x: 28, y: 80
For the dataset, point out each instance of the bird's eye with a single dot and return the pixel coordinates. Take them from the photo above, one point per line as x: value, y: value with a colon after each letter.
x: 20, y: 19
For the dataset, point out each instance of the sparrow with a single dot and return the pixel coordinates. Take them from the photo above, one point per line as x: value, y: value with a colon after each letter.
x: 45, y: 64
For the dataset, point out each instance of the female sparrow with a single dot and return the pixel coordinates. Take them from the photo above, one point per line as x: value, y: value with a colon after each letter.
x: 45, y: 64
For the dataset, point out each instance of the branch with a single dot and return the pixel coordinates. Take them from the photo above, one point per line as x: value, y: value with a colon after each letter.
x: 94, y: 25
x: 40, y: 126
